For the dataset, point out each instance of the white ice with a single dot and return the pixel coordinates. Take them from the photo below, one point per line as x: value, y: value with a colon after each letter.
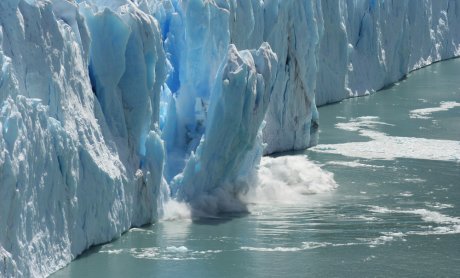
x: 424, y: 113
x: 385, y: 147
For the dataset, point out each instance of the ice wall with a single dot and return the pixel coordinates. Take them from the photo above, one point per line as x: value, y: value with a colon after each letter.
x: 293, y: 29
x: 197, y: 41
x: 193, y: 28
x: 332, y: 50
x: 368, y: 45
x: 327, y: 50
x: 80, y: 161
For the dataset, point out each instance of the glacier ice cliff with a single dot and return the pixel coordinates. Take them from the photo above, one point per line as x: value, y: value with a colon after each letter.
x: 108, y: 108
x: 368, y: 45
x: 80, y: 161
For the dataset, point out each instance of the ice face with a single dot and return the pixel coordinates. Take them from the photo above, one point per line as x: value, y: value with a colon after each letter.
x: 197, y: 44
x: 212, y: 175
x: 97, y: 97
x: 69, y: 180
x: 368, y: 45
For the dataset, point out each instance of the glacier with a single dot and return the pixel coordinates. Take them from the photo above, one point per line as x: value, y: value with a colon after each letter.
x: 110, y: 109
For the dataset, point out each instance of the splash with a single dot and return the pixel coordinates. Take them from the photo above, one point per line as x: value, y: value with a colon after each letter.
x: 288, y: 180
x: 175, y: 210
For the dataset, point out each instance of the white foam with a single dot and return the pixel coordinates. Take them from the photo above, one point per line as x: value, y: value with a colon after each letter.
x: 415, y: 180
x: 425, y: 112
x: 390, y: 148
x: 174, y: 210
x: 368, y: 218
x: 207, y: 252
x: 155, y: 253
x: 426, y: 215
x: 175, y: 253
x: 305, y: 246
x: 434, y: 216
x: 313, y: 245
x: 386, y: 147
x: 406, y: 194
x: 385, y: 238
x: 358, y: 124
x: 275, y: 249
x: 144, y: 253
x: 380, y: 240
x: 136, y: 230
x: 114, y: 252
x: 448, y: 224
x: 378, y: 209
x: 180, y: 249
x: 309, y: 245
x: 139, y: 230
x: 438, y: 205
x: 353, y: 164
x: 282, y: 180
x: 370, y: 258
x: 287, y: 179
x: 443, y: 230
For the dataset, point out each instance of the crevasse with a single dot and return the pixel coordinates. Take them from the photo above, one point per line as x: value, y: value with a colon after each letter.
x: 108, y: 108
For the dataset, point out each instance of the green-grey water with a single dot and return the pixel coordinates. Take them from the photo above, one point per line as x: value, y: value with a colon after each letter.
x: 395, y: 213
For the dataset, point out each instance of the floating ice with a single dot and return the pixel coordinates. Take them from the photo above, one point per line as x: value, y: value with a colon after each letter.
x: 180, y: 249
x: 425, y: 112
x: 387, y: 147
x: 390, y: 147
x: 145, y: 253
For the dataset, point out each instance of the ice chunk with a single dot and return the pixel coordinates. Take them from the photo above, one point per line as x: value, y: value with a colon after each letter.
x: 237, y: 109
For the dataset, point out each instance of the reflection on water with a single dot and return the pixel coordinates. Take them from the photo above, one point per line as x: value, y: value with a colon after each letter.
x: 396, y: 210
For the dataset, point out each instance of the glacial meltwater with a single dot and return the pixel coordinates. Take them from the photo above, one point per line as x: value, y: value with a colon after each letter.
x: 395, y: 156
